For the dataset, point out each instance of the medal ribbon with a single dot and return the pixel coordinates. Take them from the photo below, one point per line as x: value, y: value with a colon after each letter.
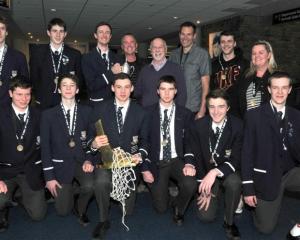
x: 71, y: 129
x: 214, y: 152
x: 19, y: 139
x: 56, y: 69
x: 2, y: 59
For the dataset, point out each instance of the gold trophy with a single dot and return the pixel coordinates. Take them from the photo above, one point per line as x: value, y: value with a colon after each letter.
x: 108, y: 154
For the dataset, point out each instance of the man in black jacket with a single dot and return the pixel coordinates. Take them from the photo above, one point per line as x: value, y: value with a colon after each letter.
x: 48, y: 62
x: 270, y: 153
x: 228, y: 68
x: 216, y: 142
x: 20, y: 164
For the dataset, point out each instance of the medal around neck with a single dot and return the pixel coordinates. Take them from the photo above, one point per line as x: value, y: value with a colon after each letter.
x: 20, y: 147
x: 72, y: 143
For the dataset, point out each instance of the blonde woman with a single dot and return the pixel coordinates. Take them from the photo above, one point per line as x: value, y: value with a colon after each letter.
x: 252, y: 88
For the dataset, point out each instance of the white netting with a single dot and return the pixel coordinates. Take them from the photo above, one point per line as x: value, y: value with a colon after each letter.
x: 123, y: 178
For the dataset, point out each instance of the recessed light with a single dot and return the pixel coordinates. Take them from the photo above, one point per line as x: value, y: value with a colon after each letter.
x: 31, y: 37
x: 29, y: 33
x: 53, y: 9
x: 175, y: 17
x: 75, y: 41
x: 198, y: 21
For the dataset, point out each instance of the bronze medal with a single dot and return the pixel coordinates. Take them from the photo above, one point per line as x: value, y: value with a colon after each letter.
x: 72, y: 143
x: 20, y: 147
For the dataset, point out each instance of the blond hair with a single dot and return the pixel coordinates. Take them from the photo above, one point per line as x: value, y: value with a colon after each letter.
x: 272, y: 65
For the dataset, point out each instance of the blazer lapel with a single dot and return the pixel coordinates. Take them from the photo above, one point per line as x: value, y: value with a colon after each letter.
x: 225, y: 136
x: 205, y: 139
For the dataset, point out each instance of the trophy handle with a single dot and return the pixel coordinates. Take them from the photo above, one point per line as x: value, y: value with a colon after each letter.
x: 106, y: 151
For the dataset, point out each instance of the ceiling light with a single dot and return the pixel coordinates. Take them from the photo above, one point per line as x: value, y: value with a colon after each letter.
x: 53, y: 9
x: 37, y: 39
x: 31, y: 37
x: 75, y: 41
x: 198, y: 21
x: 29, y: 33
x: 175, y: 17
x: 149, y: 28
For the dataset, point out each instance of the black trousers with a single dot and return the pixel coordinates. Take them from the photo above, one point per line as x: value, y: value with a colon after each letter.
x: 266, y: 213
x: 34, y: 201
x: 64, y: 201
x: 103, y: 188
x: 159, y: 189
x: 232, y: 192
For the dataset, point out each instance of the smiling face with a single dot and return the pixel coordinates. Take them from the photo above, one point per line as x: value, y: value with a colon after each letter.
x: 217, y: 108
x: 57, y: 35
x: 158, y: 49
x: 20, y: 97
x: 260, y: 56
x: 279, y: 89
x: 129, y: 45
x: 103, y: 35
x: 68, y: 89
x: 187, y: 37
x: 227, y: 44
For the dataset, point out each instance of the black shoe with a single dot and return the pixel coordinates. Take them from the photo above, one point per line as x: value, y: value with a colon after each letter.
x: 100, y: 230
x: 232, y: 232
x: 82, y: 218
x: 178, y: 218
x: 4, y: 221
x: 290, y: 237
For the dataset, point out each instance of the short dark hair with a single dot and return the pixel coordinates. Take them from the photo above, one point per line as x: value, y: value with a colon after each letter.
x: 120, y: 76
x: 103, y: 24
x: 57, y: 21
x: 128, y: 34
x: 227, y: 33
x: 4, y: 21
x: 19, y: 81
x: 167, y: 79
x: 73, y: 77
x: 280, y: 74
x: 188, y: 24
x: 218, y: 93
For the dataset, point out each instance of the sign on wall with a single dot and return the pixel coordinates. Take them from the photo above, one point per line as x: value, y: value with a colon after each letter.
x: 286, y: 16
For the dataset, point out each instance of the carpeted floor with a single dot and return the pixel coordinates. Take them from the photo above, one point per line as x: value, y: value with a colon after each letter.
x: 145, y: 224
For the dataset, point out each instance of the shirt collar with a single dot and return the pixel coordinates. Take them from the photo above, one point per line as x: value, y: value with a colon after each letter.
x: 69, y: 108
x: 18, y: 111
x: 125, y: 106
x: 159, y: 66
x: 215, y: 125
x: 54, y: 49
x: 276, y: 110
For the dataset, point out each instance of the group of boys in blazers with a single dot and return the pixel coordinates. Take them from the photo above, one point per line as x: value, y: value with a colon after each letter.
x: 59, y: 147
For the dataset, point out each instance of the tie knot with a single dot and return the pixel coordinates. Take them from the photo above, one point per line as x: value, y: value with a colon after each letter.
x: 279, y: 114
x: 104, y: 56
x: 56, y: 52
x: 21, y: 116
x: 120, y: 109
